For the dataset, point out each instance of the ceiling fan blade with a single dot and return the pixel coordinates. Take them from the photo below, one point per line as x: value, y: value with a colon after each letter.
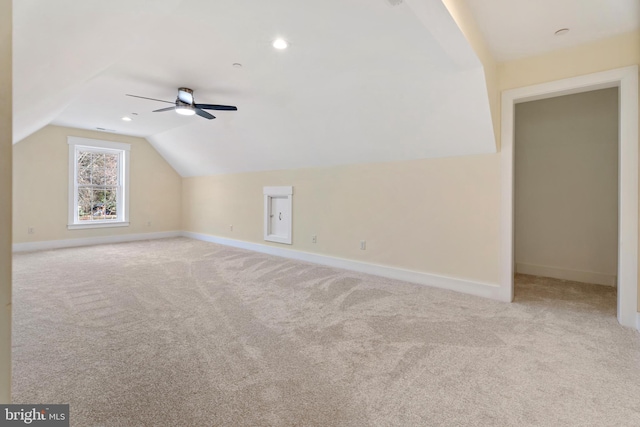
x: 164, y: 109
x: 204, y: 114
x: 152, y: 99
x: 216, y: 107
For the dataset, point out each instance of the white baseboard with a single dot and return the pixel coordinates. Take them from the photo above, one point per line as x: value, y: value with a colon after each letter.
x: 486, y: 290
x: 566, y: 274
x: 88, y: 241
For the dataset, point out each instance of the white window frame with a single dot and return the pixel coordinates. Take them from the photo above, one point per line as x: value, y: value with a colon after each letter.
x: 77, y: 144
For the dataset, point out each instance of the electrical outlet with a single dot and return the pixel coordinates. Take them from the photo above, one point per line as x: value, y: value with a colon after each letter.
x: 31, y: 230
x: 231, y: 228
x: 314, y: 239
x: 363, y: 245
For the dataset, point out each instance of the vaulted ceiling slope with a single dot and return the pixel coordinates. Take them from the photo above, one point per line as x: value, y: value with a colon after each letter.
x: 361, y: 81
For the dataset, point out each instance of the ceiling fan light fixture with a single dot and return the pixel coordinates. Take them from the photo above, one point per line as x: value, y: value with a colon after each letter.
x: 185, y: 110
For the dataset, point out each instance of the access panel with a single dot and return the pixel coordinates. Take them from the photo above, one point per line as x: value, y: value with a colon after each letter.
x: 277, y: 210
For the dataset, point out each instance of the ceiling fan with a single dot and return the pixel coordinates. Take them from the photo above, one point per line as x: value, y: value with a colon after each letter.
x: 185, y: 105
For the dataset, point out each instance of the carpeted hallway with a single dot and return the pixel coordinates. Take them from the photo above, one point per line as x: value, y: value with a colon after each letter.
x: 180, y: 332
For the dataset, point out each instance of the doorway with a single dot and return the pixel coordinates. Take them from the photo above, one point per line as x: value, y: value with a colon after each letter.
x: 626, y: 80
x: 566, y: 187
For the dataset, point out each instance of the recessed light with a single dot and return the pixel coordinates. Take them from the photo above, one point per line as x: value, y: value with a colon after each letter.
x: 126, y: 119
x: 280, y: 44
x: 134, y: 114
x: 561, y: 31
x: 237, y: 65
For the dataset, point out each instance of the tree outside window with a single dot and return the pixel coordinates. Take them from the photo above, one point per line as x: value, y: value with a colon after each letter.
x: 99, y: 183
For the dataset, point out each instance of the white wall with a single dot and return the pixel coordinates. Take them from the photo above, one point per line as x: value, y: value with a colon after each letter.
x: 566, y: 187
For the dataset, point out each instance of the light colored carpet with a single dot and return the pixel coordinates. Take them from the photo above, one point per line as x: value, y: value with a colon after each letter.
x: 179, y: 332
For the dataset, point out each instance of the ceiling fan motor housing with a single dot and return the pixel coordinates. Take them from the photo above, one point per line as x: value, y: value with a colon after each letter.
x: 185, y: 96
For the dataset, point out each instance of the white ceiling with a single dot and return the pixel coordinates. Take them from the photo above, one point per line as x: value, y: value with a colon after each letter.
x: 362, y: 81
x: 520, y: 28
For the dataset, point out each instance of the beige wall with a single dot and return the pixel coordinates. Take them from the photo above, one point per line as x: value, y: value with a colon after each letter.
x: 40, y: 185
x: 615, y: 52
x: 566, y: 187
x: 5, y: 200
x: 438, y: 216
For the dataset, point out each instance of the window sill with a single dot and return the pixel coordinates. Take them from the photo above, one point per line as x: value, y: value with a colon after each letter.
x: 97, y: 225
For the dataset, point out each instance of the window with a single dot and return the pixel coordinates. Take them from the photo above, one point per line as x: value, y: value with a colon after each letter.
x: 98, y: 183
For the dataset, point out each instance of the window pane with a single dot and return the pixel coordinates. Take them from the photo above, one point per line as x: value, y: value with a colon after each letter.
x: 111, y: 208
x: 97, y: 168
x: 98, y: 175
x: 103, y: 204
x: 111, y: 169
x: 84, y: 175
x: 84, y: 159
x: 84, y: 167
x: 98, y: 180
x: 84, y: 204
x: 97, y: 204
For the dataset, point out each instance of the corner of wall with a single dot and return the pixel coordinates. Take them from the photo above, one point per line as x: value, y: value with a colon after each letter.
x: 6, y: 177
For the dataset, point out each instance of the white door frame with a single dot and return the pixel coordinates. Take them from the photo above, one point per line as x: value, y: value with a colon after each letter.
x: 626, y: 79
